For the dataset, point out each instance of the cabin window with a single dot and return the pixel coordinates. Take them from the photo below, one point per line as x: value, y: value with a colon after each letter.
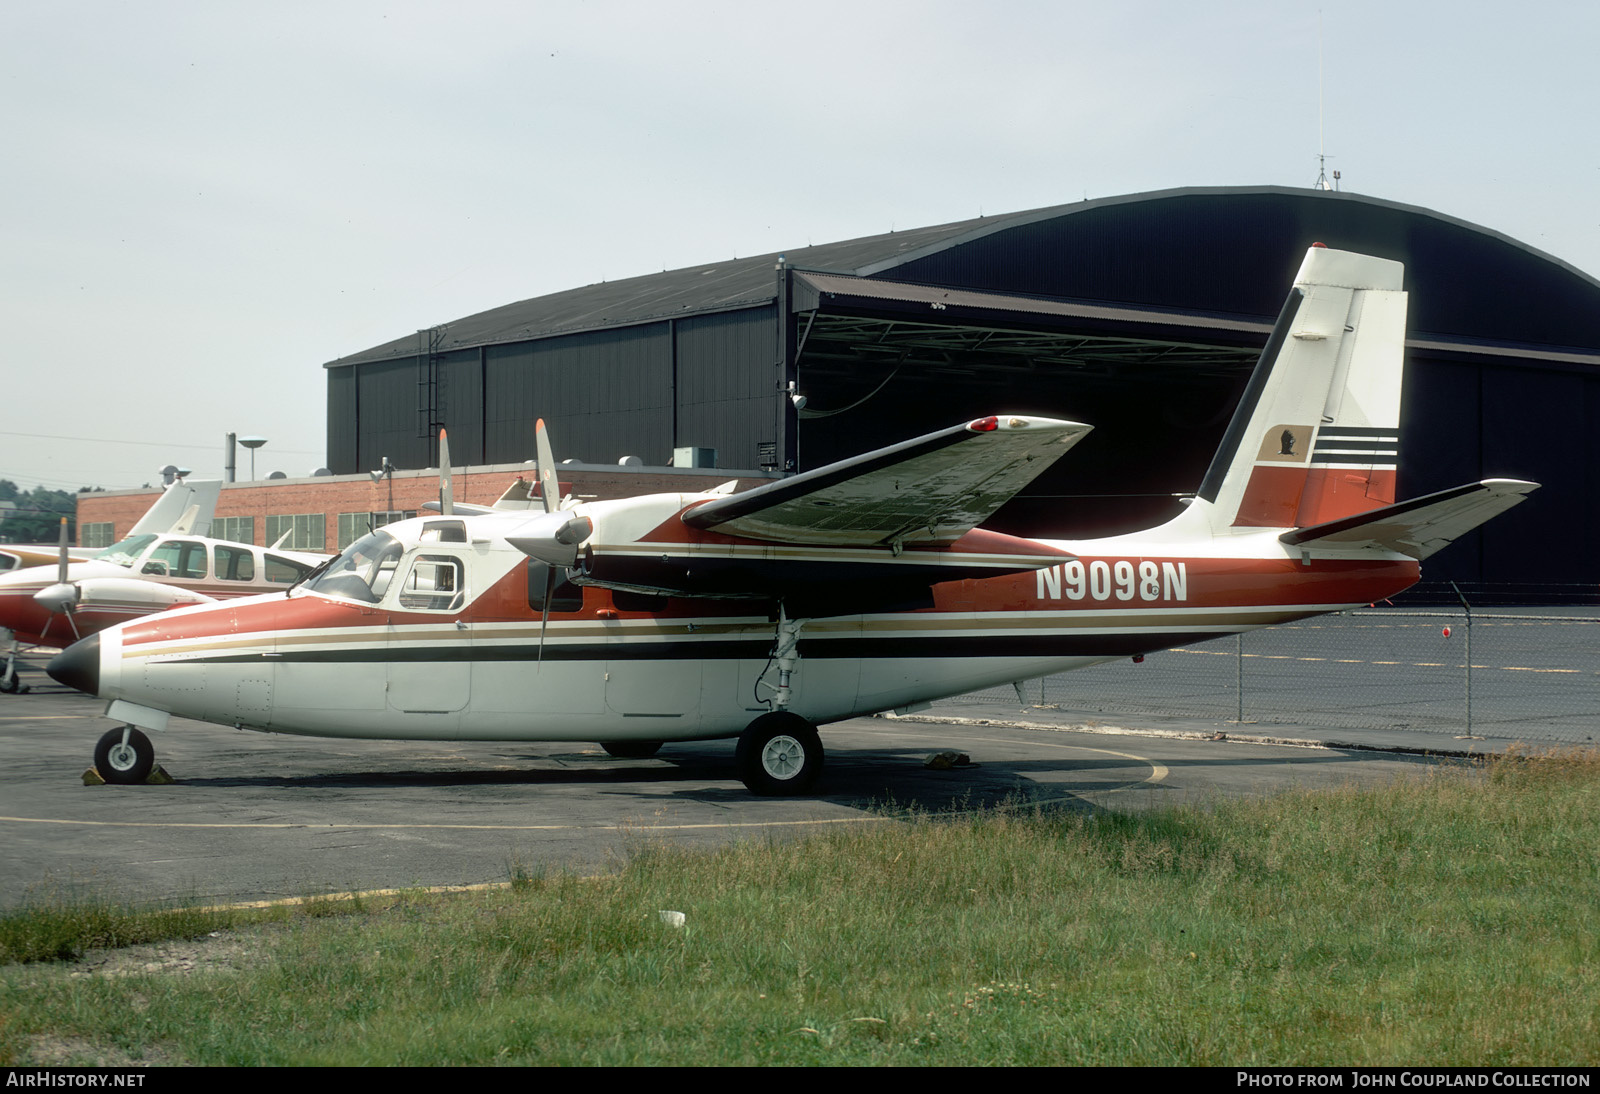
x: 435, y: 583
x: 177, y: 558
x: 564, y: 595
x: 444, y: 531
x: 235, y: 564
x: 625, y: 601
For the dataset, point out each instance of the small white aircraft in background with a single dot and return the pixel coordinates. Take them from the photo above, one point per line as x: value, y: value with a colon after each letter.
x: 859, y: 587
x: 160, y: 565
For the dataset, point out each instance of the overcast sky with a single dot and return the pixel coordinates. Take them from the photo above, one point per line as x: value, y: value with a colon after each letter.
x: 204, y: 202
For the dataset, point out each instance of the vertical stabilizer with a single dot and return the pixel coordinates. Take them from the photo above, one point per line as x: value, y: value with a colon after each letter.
x: 185, y: 506
x: 1316, y: 435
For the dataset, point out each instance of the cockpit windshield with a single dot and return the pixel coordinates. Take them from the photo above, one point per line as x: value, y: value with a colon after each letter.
x: 126, y: 552
x: 363, y: 571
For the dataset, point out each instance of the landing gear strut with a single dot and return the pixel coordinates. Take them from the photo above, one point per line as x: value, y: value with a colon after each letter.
x: 124, y: 755
x: 780, y: 752
x: 10, y: 682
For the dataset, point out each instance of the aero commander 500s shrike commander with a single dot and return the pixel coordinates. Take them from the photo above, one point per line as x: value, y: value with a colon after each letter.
x: 859, y: 587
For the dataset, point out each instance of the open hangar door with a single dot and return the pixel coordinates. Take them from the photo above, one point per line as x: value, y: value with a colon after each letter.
x: 879, y: 362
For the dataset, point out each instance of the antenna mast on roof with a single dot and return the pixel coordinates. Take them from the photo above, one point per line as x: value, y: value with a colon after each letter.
x: 1322, y: 160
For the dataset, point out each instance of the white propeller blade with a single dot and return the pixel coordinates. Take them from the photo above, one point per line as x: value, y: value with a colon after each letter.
x: 549, y: 484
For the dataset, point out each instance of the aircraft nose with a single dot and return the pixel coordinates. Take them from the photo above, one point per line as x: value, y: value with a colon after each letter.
x: 78, y: 666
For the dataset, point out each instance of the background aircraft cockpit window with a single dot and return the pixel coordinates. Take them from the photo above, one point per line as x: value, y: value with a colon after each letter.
x: 285, y: 571
x: 435, y: 583
x: 126, y: 552
x: 363, y: 570
x: 444, y: 531
x: 235, y: 564
x: 177, y: 558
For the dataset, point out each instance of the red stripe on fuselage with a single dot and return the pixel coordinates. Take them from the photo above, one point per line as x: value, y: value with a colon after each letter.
x: 1206, y: 583
x: 1202, y: 583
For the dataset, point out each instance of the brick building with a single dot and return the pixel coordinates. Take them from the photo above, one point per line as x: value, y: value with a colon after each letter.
x: 329, y: 512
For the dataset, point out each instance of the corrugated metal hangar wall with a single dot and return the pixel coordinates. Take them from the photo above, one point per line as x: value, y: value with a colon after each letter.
x: 1140, y: 315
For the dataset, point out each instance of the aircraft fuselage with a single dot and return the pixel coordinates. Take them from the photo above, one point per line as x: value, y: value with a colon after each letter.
x: 413, y: 664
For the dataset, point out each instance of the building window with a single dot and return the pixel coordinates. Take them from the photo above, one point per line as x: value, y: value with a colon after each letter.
x: 306, y: 531
x: 98, y: 534
x: 352, y: 526
x: 234, y: 529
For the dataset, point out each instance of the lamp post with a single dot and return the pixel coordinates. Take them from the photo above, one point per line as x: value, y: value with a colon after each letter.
x: 252, y: 443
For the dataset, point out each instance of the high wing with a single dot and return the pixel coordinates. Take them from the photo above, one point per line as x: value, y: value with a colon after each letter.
x: 1419, y: 527
x: 929, y: 490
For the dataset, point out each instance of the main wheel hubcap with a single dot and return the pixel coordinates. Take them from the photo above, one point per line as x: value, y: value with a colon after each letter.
x: 783, y: 757
x: 122, y: 757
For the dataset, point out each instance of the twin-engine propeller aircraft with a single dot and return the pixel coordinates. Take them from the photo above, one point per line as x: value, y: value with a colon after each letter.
x: 160, y: 565
x: 859, y: 587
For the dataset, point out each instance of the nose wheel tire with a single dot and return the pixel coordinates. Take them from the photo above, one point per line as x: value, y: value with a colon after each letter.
x: 631, y: 750
x: 120, y: 761
x: 779, y: 753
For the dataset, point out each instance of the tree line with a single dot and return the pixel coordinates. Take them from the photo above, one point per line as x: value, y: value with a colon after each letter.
x: 34, y: 516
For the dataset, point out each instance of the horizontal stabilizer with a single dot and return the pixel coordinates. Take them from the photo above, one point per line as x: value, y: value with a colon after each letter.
x: 930, y: 490
x: 1418, y: 527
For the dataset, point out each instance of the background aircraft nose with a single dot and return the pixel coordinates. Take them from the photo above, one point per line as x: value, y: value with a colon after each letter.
x: 78, y: 666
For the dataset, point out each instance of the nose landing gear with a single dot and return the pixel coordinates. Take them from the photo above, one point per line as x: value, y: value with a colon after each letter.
x: 124, y: 755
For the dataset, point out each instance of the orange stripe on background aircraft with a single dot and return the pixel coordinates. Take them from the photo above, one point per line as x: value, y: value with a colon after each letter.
x: 856, y: 588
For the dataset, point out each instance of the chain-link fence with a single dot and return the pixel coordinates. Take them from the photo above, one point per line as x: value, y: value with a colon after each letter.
x: 1533, y: 674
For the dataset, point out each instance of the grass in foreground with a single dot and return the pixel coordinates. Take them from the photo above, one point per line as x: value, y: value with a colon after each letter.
x: 1451, y: 920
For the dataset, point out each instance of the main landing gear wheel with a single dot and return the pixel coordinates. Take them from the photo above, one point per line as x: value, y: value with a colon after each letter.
x: 779, y: 753
x: 631, y: 750
x: 12, y: 685
x: 120, y: 761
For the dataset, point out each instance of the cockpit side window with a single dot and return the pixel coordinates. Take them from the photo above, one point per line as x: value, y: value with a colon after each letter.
x: 435, y: 583
x: 285, y: 571
x: 127, y: 552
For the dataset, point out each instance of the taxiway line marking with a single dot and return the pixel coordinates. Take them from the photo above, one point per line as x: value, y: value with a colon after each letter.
x: 1355, y: 661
